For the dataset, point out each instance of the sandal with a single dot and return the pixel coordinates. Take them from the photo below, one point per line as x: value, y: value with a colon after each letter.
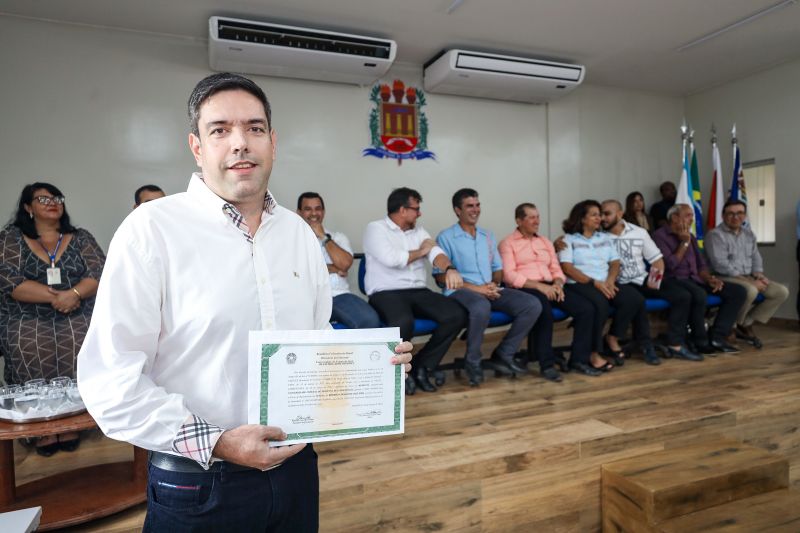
x: 618, y: 356
x: 605, y: 367
x: 69, y: 445
x: 47, y: 450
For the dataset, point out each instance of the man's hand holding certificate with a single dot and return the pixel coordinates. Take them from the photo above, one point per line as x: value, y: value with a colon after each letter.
x: 326, y: 384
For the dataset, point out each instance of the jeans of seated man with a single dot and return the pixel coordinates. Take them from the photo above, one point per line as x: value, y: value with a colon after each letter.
x: 353, y: 312
x: 523, y: 308
x: 285, y: 498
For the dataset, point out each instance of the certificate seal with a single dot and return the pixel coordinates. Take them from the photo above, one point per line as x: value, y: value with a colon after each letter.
x: 375, y: 355
x: 291, y: 357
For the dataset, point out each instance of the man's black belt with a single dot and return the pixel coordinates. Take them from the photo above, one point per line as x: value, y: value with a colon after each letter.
x: 176, y: 463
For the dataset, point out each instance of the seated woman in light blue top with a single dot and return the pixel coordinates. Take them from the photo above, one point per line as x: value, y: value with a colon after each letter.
x: 591, y: 263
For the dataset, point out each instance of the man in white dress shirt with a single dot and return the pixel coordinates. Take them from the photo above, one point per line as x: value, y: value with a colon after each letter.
x: 396, y: 248
x: 164, y: 364
x: 348, y: 309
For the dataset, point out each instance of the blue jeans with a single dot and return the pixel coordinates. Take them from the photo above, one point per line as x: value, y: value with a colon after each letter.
x: 283, y: 499
x: 353, y: 312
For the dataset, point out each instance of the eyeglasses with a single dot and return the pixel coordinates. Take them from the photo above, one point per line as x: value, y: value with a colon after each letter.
x: 735, y: 214
x: 50, y: 200
x: 417, y: 209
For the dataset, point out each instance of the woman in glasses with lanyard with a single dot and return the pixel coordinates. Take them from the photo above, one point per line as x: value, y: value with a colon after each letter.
x: 48, y: 278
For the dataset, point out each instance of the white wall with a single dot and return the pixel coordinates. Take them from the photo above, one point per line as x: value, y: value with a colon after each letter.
x: 99, y: 112
x: 765, y: 109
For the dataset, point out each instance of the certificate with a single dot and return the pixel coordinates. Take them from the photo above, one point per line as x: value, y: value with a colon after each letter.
x: 326, y: 385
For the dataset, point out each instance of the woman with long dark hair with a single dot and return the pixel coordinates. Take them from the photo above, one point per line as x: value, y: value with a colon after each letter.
x: 635, y: 211
x: 49, y: 271
x: 591, y: 262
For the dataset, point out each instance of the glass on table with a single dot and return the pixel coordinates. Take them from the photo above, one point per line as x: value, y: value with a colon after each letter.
x: 7, y: 396
x: 26, y: 400
x: 73, y: 393
x: 61, y: 381
x: 51, y: 397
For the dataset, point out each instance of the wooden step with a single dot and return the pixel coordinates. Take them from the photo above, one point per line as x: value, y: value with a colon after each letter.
x: 777, y: 511
x: 643, y: 491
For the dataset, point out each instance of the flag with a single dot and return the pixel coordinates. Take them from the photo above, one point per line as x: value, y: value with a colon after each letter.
x: 684, y: 195
x: 697, y: 204
x: 738, y: 190
x: 717, y: 199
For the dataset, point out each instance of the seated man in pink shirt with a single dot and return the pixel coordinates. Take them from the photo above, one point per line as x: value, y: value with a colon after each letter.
x: 530, y: 264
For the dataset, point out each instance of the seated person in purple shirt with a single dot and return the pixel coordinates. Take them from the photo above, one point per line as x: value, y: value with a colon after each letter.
x: 686, y: 269
x: 473, y: 251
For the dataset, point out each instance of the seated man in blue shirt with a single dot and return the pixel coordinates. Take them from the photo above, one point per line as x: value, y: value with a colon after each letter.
x: 473, y: 252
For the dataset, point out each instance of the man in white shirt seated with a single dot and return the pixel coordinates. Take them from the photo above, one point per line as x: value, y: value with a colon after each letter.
x: 396, y: 248
x: 348, y: 309
x: 164, y: 363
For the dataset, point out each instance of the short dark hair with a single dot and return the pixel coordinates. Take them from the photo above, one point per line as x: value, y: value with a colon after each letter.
x: 732, y: 202
x: 462, y: 194
x: 573, y: 223
x: 664, y: 186
x: 223, y: 81
x: 519, y: 212
x: 137, y: 196
x: 23, y: 220
x: 399, y: 198
x: 308, y: 196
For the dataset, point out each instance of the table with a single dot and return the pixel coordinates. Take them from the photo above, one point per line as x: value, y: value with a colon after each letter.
x: 75, y: 496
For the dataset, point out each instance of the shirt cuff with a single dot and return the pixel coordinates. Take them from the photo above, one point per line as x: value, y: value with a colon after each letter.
x: 196, y: 440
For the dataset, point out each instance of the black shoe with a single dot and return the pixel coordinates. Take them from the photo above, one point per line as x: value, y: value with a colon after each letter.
x: 650, y: 356
x: 746, y: 334
x: 706, y: 349
x: 422, y: 379
x: 685, y: 353
x: 615, y: 355
x: 48, y: 449
x: 516, y: 367
x: 561, y: 363
x: 724, y: 347
x: 474, y: 374
x: 69, y: 445
x: 551, y: 374
x: 586, y: 370
x: 411, y: 387
x: 500, y: 368
x: 439, y: 378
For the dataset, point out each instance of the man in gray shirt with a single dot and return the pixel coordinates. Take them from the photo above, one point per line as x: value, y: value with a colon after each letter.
x: 733, y: 252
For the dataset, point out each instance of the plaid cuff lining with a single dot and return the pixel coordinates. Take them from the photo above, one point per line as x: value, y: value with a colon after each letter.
x: 196, y: 440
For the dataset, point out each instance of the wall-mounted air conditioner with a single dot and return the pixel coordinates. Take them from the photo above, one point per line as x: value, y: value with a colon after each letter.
x: 288, y: 51
x: 500, y: 77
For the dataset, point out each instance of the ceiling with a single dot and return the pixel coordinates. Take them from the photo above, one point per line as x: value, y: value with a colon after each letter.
x: 623, y: 43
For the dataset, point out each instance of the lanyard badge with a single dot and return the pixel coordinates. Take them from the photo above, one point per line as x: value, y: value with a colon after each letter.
x: 53, y: 273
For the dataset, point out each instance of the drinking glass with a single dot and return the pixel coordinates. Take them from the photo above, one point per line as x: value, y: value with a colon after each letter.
x: 61, y: 381
x: 51, y: 397
x: 38, y: 382
x: 7, y: 396
x: 73, y: 393
x: 25, y: 401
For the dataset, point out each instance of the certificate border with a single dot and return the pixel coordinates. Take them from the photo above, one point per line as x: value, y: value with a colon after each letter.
x: 268, y: 350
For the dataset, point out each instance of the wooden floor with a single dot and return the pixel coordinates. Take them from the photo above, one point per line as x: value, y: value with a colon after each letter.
x: 525, y: 454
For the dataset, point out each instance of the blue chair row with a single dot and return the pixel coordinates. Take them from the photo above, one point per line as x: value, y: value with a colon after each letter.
x: 424, y: 326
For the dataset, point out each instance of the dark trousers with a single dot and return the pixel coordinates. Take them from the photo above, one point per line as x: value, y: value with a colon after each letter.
x: 629, y: 308
x: 285, y: 498
x: 680, y: 304
x: 540, y: 338
x: 398, y: 309
x: 523, y: 309
x: 733, y: 297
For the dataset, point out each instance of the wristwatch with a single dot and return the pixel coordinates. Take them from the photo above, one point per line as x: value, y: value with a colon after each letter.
x: 450, y: 267
x: 327, y: 239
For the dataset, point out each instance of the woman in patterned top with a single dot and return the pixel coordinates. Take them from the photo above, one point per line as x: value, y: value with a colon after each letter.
x: 48, y: 278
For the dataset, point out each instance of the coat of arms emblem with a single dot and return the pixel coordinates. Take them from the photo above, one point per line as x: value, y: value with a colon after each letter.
x: 398, y: 127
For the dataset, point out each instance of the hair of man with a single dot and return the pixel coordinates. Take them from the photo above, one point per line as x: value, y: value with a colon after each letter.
x: 461, y: 195
x: 223, y: 81
x: 137, y: 196
x: 574, y: 222
x: 676, y: 210
x: 519, y: 211
x: 22, y: 219
x: 732, y: 202
x: 400, y: 197
x: 309, y: 195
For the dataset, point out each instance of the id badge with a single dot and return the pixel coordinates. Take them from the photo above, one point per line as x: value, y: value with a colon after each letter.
x: 53, y: 276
